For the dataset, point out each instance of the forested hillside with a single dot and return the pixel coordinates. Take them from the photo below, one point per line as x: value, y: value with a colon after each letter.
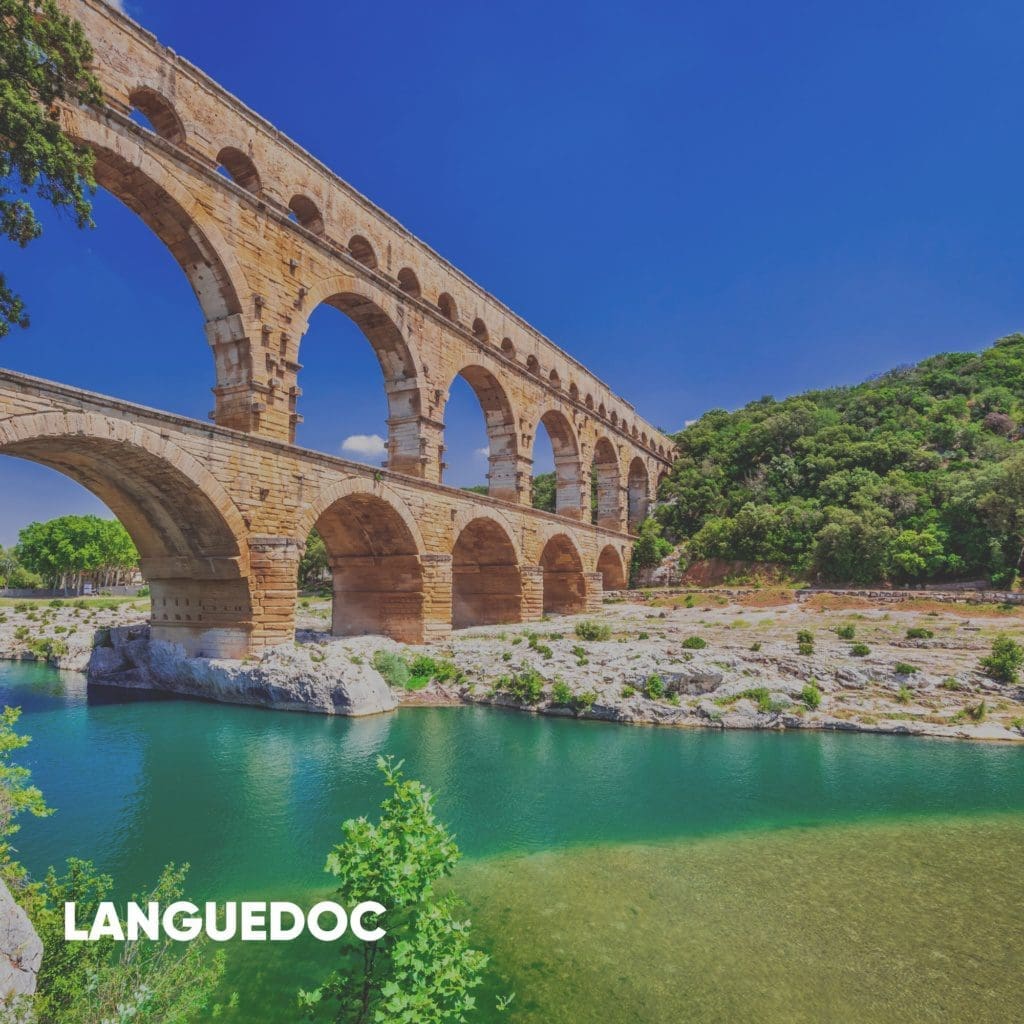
x: 912, y: 476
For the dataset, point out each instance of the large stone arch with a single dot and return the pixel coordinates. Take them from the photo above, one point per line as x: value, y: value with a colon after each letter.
x: 569, y: 489
x: 130, y: 172
x: 487, y: 584
x: 382, y: 322
x: 612, y: 568
x: 192, y: 540
x: 502, y: 436
x: 375, y: 550
x: 565, y: 586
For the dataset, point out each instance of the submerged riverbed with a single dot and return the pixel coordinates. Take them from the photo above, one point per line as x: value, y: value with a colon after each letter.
x: 615, y: 874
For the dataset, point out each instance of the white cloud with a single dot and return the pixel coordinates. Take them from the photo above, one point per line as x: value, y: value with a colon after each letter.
x: 118, y: 5
x: 483, y: 453
x: 367, y: 445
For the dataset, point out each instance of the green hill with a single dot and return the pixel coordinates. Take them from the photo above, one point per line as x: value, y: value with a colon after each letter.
x: 911, y: 476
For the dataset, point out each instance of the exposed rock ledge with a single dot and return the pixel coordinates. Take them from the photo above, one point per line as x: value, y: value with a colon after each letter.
x: 21, y: 954
x: 335, y: 681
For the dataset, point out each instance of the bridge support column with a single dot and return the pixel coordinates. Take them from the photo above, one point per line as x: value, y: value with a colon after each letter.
x: 274, y: 564
x: 416, y: 447
x: 437, y: 596
x: 510, y: 477
x: 243, y: 400
x: 593, y: 591
x: 378, y: 594
x: 533, y: 592
x: 569, y: 486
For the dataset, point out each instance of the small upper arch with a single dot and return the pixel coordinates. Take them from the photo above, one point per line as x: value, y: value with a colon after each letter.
x: 449, y: 310
x: 574, y: 392
x: 556, y: 381
x: 533, y: 365
x: 307, y: 213
x: 240, y: 169
x: 480, y: 331
x: 362, y: 251
x: 159, y: 112
x: 409, y: 282
x: 508, y: 348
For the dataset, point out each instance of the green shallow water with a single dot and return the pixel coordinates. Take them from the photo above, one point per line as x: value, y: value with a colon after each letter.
x: 689, y: 875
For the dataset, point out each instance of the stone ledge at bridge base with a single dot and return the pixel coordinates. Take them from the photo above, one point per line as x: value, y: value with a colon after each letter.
x: 285, y: 678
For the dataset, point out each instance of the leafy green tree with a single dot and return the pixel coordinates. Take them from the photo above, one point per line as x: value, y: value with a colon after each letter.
x: 545, y: 491
x: 315, y: 562
x: 17, y: 795
x: 423, y: 970
x: 44, y: 59
x: 13, y: 574
x: 650, y: 547
x: 141, y: 981
x: 917, y: 474
x: 69, y: 550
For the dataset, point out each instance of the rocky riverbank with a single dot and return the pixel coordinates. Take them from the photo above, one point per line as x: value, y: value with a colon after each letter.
x: 753, y: 660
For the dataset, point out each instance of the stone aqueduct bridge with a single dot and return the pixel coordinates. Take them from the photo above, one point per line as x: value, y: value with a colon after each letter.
x: 220, y: 514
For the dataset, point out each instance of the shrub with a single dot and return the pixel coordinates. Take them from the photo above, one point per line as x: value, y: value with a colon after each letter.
x: 392, y: 667
x: 860, y: 650
x: 949, y: 683
x: 561, y: 695
x: 811, y: 695
x: 628, y: 691
x: 590, y: 630
x: 585, y: 701
x: 643, y: 636
x: 903, y: 669
x: 805, y: 642
x: 46, y: 648
x: 903, y: 695
x: 424, y: 669
x: 756, y: 646
x: 1005, y: 661
x: 847, y: 631
x: 694, y: 643
x: 919, y: 633
x: 654, y: 687
x: 978, y: 712
x: 506, y: 656
x: 761, y: 696
x: 526, y: 686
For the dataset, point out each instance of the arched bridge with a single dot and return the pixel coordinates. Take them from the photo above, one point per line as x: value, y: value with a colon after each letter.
x: 266, y: 234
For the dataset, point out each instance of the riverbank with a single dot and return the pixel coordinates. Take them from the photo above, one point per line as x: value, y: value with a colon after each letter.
x: 726, y: 660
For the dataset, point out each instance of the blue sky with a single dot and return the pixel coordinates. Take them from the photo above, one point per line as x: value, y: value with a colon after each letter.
x: 704, y: 203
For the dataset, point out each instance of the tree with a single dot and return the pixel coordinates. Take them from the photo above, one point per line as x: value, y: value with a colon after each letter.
x: 314, y: 563
x: 545, y: 487
x: 423, y: 970
x: 69, y: 550
x: 650, y: 547
x: 44, y: 59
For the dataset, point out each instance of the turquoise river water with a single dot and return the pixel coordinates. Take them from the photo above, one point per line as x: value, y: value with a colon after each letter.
x: 614, y: 873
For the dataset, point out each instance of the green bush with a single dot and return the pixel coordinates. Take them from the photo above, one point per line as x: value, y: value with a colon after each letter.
x: 590, y: 630
x: 761, y: 696
x: 904, y: 695
x: 979, y: 712
x: 393, y: 668
x: 805, y: 642
x: 694, y: 643
x: 561, y: 695
x: 949, y: 683
x: 756, y: 646
x: 919, y: 633
x: 903, y: 669
x: 1005, y: 661
x: 847, y: 631
x: 424, y: 669
x: 628, y: 691
x: 585, y: 701
x: 654, y: 687
x: 811, y: 695
x: 860, y: 650
x: 525, y: 686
